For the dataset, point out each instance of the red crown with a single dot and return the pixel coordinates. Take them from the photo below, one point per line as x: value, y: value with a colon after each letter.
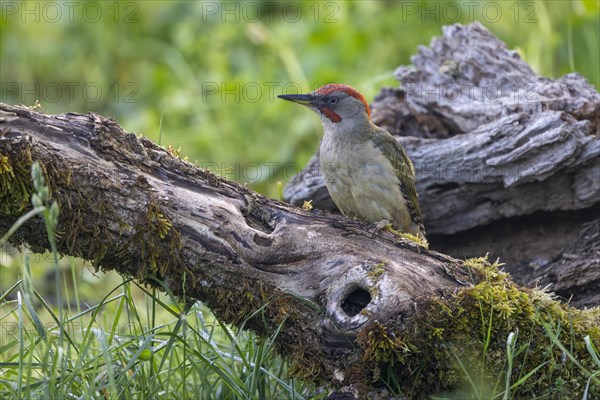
x: 350, y: 91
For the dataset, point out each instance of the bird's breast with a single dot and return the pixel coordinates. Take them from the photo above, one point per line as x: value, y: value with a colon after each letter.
x: 361, y: 181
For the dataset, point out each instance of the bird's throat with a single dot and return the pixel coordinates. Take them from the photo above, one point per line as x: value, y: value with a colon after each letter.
x: 329, y: 113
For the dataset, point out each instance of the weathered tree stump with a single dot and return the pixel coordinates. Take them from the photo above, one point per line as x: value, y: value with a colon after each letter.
x: 356, y: 309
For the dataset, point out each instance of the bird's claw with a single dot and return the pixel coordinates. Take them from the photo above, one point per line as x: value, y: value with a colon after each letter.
x: 377, y: 226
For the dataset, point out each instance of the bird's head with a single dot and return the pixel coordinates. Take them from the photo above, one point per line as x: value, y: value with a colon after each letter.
x: 336, y: 104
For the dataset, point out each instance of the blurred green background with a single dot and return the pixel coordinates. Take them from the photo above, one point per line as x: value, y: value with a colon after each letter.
x: 212, y: 69
x: 203, y: 75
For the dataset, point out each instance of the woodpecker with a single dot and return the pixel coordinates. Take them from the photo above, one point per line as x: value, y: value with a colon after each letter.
x: 367, y: 172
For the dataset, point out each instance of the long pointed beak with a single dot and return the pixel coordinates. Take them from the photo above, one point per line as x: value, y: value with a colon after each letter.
x: 304, y: 99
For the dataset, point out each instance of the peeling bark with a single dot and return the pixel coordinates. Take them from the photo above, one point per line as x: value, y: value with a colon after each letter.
x: 576, y: 274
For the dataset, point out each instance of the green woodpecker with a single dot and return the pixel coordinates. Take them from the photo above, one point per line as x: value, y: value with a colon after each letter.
x: 367, y: 172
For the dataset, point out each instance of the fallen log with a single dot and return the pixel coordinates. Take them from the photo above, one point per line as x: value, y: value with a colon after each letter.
x: 352, y: 305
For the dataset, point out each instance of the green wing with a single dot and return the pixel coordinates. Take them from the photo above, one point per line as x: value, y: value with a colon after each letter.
x: 402, y: 164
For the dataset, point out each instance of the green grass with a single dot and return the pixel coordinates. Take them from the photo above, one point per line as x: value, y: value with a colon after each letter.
x: 509, y: 381
x: 114, y: 350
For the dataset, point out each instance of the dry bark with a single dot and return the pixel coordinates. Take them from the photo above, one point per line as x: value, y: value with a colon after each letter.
x: 507, y: 162
x: 576, y: 273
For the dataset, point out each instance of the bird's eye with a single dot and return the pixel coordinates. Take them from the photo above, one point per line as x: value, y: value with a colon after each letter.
x: 333, y: 100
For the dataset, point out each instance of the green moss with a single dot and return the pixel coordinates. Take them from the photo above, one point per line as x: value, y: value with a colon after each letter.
x: 155, y: 240
x: 265, y: 311
x: 382, y: 344
x: 87, y: 222
x: 376, y: 271
x: 15, y: 184
x: 466, y: 333
x: 419, y: 241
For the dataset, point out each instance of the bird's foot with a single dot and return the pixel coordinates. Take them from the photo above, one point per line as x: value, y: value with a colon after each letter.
x: 377, y: 226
